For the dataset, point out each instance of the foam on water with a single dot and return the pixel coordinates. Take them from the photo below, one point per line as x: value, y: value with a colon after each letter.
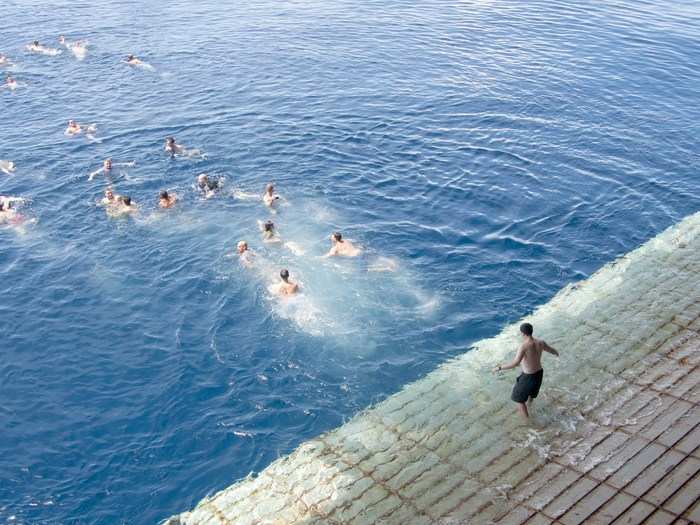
x: 340, y: 297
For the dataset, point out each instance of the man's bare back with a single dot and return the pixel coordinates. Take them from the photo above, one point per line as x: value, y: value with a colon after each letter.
x: 532, y: 354
x: 342, y: 247
x: 285, y: 287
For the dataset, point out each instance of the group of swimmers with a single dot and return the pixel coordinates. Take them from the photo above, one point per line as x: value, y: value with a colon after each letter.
x: 208, y: 186
x: 78, y: 48
x: 339, y: 248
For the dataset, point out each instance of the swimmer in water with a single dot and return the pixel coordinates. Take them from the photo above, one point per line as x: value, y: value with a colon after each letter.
x: 7, y: 167
x: 78, y: 48
x: 5, y: 61
x: 5, y: 212
x: 10, y: 83
x: 209, y: 186
x: 133, y: 61
x: 122, y: 206
x: 340, y: 247
x: 76, y: 129
x: 172, y: 147
x: 106, y: 169
x: 245, y: 255
x: 127, y: 205
x: 175, y: 149
x: 166, y: 200
x: 269, y: 234
x: 36, y: 47
x: 269, y: 196
x: 110, y: 199
x: 73, y: 128
x: 9, y: 215
x: 107, y: 166
x: 286, y: 287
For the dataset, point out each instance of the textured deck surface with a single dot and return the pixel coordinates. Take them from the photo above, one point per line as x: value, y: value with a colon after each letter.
x: 615, y: 435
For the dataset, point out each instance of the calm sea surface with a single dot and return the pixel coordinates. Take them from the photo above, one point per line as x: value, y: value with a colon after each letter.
x: 492, y: 151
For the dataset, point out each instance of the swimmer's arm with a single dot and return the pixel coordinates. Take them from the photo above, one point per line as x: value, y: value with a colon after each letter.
x: 95, y: 173
x: 515, y: 362
x: 549, y: 349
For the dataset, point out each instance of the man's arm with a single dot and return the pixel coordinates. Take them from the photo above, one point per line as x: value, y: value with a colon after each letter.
x: 515, y: 362
x: 549, y: 349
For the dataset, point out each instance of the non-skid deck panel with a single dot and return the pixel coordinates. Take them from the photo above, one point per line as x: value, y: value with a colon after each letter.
x: 615, y: 436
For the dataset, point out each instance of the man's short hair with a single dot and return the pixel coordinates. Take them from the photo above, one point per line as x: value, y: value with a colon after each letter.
x: 337, y: 236
x: 526, y: 328
x: 284, y: 274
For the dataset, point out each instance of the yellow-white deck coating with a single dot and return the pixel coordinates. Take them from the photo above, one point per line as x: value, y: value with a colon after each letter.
x: 449, y: 448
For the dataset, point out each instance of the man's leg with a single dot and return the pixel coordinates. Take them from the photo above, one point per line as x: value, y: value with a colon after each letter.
x: 522, y: 410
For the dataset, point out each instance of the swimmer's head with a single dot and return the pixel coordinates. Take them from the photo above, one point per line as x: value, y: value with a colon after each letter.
x: 2, y: 206
x: 170, y: 140
x: 35, y: 43
x: 164, y: 195
x: 202, y: 180
x: 130, y: 57
x: 269, y: 226
x: 269, y: 188
x: 242, y: 246
x: 337, y: 237
x: 107, y: 164
x: 526, y: 329
x: 71, y: 123
x: 109, y: 193
x: 284, y: 274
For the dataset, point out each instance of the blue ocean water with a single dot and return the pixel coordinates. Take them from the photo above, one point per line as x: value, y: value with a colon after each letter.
x: 494, y: 151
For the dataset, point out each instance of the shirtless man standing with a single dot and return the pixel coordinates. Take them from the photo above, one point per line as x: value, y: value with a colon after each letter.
x: 342, y: 247
x: 528, y: 356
